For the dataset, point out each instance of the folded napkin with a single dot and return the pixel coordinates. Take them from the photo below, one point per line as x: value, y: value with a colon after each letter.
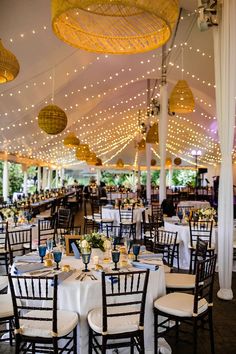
x: 31, y: 258
x: 27, y: 267
x: 145, y: 265
x: 75, y: 250
x: 63, y: 276
x: 150, y: 255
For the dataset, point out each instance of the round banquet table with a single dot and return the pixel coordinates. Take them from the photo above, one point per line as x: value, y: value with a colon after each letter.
x: 183, y: 236
x: 81, y: 297
x: 114, y: 214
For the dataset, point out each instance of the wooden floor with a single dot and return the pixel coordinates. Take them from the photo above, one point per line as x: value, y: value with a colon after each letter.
x: 224, y: 317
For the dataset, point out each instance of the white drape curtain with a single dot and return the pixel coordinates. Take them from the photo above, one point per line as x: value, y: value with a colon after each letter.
x: 225, y: 75
x: 163, y: 128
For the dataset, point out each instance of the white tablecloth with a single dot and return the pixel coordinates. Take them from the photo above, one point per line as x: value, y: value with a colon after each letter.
x: 115, y: 215
x: 196, y: 204
x: 184, y: 237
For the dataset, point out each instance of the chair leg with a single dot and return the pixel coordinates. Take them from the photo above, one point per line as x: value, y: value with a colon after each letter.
x: 6, y: 263
x: 55, y: 345
x: 90, y: 341
x: 177, y: 253
x: 75, y: 340
x: 195, y: 336
x: 211, y: 331
x: 131, y: 345
x: 104, y: 342
x: 17, y: 344
x: 142, y: 350
x: 191, y: 262
x: 155, y: 332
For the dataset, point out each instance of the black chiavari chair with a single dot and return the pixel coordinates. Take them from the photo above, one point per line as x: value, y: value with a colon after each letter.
x: 19, y: 242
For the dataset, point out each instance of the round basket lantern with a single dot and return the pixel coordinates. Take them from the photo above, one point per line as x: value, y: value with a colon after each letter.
x: 52, y: 119
x: 71, y: 141
x: 82, y: 152
x: 120, y: 163
x: 168, y: 162
x: 91, y: 159
x: 181, y: 98
x: 142, y: 145
x: 152, y: 134
x: 114, y: 26
x: 177, y: 161
x: 153, y: 162
x: 9, y: 65
x: 99, y: 162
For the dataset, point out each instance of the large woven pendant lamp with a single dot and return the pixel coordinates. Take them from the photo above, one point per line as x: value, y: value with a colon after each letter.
x: 71, y: 141
x: 114, y: 26
x: 152, y: 134
x: 9, y: 65
x: 52, y: 119
x: 181, y: 98
x: 82, y: 152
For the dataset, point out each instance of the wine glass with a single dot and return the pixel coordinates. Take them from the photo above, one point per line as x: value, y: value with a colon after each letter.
x: 86, y: 254
x: 57, y: 258
x: 115, y: 258
x: 42, y: 251
x: 136, y: 249
x: 50, y: 245
x: 180, y: 216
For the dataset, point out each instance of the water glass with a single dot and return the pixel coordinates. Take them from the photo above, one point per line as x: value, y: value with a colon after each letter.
x: 86, y: 254
x: 42, y: 251
x: 57, y: 258
x: 136, y: 249
x: 50, y: 245
x: 180, y: 216
x: 115, y: 258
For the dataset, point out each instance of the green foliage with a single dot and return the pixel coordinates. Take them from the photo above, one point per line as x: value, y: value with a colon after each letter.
x: 183, y: 178
x: 15, y: 178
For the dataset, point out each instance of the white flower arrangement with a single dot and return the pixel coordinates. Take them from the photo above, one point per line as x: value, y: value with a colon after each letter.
x: 206, y: 213
x: 94, y: 240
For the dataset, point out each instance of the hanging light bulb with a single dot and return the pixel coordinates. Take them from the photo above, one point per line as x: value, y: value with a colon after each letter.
x: 116, y: 27
x: 9, y: 65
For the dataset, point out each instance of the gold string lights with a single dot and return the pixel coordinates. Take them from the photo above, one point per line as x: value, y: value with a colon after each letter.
x: 9, y: 65
x: 114, y: 26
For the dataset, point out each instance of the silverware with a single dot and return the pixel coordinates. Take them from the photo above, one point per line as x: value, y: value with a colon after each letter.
x: 78, y: 276
x: 83, y: 276
x: 35, y: 272
x: 92, y: 276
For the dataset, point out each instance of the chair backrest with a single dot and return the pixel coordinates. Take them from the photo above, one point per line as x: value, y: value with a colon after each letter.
x: 95, y: 207
x: 34, y: 293
x: 157, y: 214
x: 46, y: 230
x: 165, y: 243
x: 64, y: 218
x: 126, y: 215
x: 205, y: 272
x: 200, y: 229
x: 17, y: 240
x: 3, y: 234
x: 124, y: 294
x: 201, y: 252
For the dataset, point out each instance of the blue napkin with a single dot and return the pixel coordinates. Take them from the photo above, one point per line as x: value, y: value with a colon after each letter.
x: 23, y: 268
x: 145, y: 265
x: 75, y: 250
x: 112, y: 280
x: 32, y: 258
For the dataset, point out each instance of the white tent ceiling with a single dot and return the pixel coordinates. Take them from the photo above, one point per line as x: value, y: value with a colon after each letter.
x: 101, y: 94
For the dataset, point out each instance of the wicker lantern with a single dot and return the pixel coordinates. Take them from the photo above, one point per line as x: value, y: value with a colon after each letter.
x: 153, y: 162
x: 91, y: 159
x: 99, y: 162
x: 114, y: 26
x: 152, y: 135
x: 9, y: 65
x: 177, y: 161
x: 71, y: 141
x: 141, y: 145
x: 120, y: 163
x: 168, y: 162
x: 82, y: 152
x: 52, y: 119
x: 181, y: 98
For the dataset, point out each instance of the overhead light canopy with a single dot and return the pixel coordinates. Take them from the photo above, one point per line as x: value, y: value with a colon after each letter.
x: 52, y: 119
x: 9, y: 65
x: 114, y: 26
x: 181, y: 98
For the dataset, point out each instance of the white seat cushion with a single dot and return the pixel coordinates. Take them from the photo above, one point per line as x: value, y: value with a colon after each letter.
x: 66, y: 322
x: 179, y: 304
x: 120, y: 324
x: 3, y: 282
x: 6, y: 307
x: 181, y: 281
